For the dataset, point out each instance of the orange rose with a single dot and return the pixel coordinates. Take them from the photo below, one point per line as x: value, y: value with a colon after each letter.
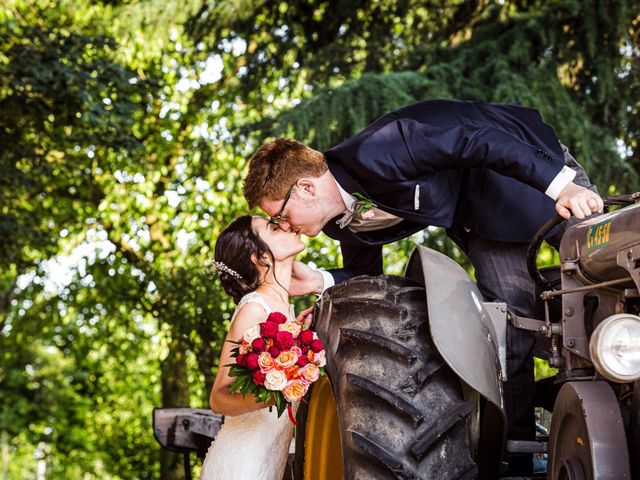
x: 292, y: 372
x: 294, y: 390
x: 286, y: 359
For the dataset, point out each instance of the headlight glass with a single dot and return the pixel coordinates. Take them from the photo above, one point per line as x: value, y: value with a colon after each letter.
x: 615, y: 348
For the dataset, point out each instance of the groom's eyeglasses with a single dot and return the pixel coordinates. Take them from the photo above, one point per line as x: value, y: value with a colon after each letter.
x: 278, y: 217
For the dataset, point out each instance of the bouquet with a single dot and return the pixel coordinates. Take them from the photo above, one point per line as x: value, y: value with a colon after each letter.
x: 278, y: 359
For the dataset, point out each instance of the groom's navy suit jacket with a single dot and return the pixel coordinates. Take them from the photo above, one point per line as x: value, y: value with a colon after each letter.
x: 465, y: 166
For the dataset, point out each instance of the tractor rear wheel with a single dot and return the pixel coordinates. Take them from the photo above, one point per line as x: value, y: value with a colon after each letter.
x: 400, y: 408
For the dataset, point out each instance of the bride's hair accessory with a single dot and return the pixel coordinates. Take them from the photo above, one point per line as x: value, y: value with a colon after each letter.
x: 221, y: 267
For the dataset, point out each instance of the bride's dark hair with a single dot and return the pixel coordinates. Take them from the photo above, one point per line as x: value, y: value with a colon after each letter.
x: 235, y: 245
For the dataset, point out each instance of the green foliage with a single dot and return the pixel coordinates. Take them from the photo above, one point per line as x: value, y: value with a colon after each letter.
x: 126, y: 127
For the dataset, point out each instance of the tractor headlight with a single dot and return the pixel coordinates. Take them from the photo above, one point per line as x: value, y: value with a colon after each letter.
x: 615, y: 347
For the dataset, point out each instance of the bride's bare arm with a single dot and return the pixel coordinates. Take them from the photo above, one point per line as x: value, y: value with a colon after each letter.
x: 221, y: 400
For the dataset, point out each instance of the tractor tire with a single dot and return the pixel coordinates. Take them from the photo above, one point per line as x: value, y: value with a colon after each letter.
x: 400, y: 408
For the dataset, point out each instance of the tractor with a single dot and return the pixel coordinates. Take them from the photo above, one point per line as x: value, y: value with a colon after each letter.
x: 416, y: 366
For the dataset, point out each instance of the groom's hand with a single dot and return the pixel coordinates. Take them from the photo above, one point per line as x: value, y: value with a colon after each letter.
x: 579, y: 201
x: 305, y: 280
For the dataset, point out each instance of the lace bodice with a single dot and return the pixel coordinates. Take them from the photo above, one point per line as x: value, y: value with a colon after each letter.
x: 255, y: 297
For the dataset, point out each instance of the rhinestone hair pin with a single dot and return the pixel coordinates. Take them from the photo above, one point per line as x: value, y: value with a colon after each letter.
x: 221, y: 267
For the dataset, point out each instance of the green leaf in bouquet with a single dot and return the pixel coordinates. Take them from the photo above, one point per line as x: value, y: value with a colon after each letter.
x: 281, y: 403
x: 236, y: 370
x: 263, y: 395
x: 236, y: 386
x: 245, y: 382
x: 251, y: 387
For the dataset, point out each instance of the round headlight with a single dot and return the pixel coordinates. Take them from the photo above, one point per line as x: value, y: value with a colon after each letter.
x: 615, y: 347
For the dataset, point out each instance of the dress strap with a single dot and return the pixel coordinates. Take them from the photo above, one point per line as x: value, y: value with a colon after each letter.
x: 254, y: 297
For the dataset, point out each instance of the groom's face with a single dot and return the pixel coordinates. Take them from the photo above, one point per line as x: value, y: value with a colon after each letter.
x: 298, y: 211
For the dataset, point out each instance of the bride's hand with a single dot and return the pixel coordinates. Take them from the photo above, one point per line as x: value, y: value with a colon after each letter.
x: 305, y: 317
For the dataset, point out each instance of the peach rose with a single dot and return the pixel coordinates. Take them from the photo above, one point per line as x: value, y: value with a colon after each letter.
x: 286, y: 359
x: 294, y: 390
x: 310, y: 373
x: 266, y: 362
x: 318, y: 358
x: 251, y: 334
x: 245, y: 348
x: 321, y: 359
x: 292, y: 327
x: 275, y: 380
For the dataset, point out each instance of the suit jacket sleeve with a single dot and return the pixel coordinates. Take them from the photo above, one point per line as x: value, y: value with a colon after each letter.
x: 430, y: 149
x: 358, y: 260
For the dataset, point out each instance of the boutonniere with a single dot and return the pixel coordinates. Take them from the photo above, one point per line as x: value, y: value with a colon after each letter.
x: 363, y: 206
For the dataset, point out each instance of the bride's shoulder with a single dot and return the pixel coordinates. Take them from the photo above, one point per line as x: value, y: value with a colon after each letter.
x: 246, y: 316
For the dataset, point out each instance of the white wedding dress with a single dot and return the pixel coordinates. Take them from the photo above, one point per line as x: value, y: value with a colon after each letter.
x: 252, y: 446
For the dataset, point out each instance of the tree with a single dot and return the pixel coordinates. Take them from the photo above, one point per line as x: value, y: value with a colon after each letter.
x: 126, y: 127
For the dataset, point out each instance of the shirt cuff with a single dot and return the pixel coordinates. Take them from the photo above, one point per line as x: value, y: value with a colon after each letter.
x: 328, y: 280
x: 563, y: 178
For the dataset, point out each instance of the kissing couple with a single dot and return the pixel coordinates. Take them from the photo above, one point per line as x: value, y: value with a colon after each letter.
x: 490, y: 174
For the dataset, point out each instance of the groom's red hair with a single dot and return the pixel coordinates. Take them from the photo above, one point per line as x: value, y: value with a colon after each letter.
x: 277, y: 165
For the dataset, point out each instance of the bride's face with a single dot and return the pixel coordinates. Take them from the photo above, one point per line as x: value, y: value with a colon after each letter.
x: 282, y: 244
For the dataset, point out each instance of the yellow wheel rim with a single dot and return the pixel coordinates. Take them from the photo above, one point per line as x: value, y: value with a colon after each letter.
x: 322, y: 448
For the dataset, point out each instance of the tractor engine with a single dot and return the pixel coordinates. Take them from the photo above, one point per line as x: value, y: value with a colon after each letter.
x: 600, y: 274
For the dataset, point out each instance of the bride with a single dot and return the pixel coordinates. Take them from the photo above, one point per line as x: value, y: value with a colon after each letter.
x: 255, y: 261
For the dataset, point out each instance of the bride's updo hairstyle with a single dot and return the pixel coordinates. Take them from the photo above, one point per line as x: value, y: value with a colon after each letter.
x: 235, y: 246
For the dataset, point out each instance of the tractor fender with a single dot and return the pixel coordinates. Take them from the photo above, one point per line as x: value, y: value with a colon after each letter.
x: 460, y: 324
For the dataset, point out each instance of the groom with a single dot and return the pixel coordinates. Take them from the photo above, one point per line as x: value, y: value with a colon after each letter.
x: 490, y: 174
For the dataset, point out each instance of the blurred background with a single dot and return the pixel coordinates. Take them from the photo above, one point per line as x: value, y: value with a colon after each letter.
x: 125, y: 128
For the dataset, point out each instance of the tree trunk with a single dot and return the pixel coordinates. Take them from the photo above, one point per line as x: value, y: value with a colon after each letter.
x: 175, y: 393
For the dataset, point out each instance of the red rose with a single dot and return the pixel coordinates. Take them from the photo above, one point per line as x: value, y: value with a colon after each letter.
x: 240, y: 359
x: 302, y: 361
x: 316, y: 346
x: 284, y: 340
x: 305, y: 337
x: 274, y: 352
x: 258, y: 377
x: 305, y: 350
x: 268, y: 329
x: 251, y: 362
x: 258, y: 345
x: 276, y: 317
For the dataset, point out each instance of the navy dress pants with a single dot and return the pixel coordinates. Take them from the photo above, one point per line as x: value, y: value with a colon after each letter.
x: 502, y: 276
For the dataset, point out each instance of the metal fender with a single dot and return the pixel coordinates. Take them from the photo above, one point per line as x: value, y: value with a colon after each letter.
x: 463, y: 332
x: 461, y: 327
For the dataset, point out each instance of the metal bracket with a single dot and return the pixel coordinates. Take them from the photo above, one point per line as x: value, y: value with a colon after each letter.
x: 498, y: 314
x: 526, y: 446
x: 527, y: 323
x: 629, y: 259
